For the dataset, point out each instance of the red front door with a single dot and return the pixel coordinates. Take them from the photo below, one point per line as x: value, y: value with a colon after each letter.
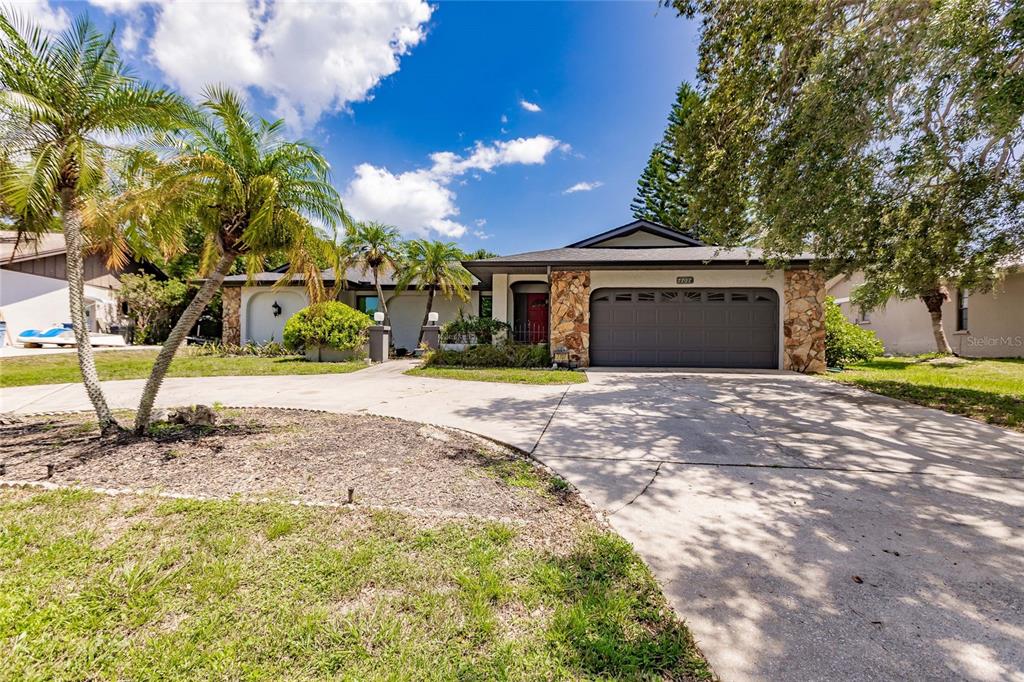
x: 537, y: 318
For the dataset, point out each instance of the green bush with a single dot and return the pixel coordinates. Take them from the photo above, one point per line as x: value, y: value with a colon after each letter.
x: 486, y: 355
x: 331, y: 324
x: 473, y: 330
x: 846, y: 342
x: 270, y: 349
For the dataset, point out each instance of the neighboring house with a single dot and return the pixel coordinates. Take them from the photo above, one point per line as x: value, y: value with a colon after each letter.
x: 34, y: 288
x: 255, y: 310
x: 989, y: 325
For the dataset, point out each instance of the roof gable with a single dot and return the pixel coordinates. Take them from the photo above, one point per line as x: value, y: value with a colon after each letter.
x: 639, y: 234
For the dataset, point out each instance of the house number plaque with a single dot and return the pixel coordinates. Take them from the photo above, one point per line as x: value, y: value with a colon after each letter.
x: 684, y: 280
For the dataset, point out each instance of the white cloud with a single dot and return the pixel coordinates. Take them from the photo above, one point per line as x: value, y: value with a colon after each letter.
x: 421, y: 201
x: 480, y: 234
x: 504, y: 118
x: 49, y: 19
x: 529, y: 106
x: 308, y: 58
x: 583, y: 187
x: 480, y: 222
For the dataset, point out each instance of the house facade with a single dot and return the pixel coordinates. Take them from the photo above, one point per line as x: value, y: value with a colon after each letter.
x: 980, y: 325
x: 638, y: 295
x: 643, y: 295
x: 34, y: 289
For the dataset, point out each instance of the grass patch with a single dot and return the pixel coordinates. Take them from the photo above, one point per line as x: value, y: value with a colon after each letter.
x: 61, y: 368
x: 504, y: 375
x: 97, y: 587
x: 988, y: 390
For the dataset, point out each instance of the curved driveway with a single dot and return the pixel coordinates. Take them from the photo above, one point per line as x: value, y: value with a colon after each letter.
x: 805, y: 530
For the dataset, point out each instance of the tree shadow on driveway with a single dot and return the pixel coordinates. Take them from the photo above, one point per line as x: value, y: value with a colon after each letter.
x: 809, y: 530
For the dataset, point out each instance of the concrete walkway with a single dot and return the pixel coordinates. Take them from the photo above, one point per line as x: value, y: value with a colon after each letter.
x: 805, y: 530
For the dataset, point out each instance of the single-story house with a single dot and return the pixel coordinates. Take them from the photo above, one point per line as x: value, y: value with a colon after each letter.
x: 982, y: 325
x: 34, y: 288
x: 637, y: 295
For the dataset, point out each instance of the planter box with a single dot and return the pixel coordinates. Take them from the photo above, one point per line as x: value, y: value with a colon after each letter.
x: 327, y: 354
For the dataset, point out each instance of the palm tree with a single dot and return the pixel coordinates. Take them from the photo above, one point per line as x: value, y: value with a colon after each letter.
x: 252, y: 193
x: 479, y: 254
x: 59, y: 97
x: 434, y: 266
x: 374, y: 246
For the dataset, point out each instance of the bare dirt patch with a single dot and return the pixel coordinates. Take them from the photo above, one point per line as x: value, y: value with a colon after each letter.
x: 306, y: 456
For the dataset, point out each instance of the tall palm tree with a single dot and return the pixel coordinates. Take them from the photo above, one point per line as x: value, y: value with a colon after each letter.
x: 59, y: 98
x: 373, y: 247
x: 253, y: 193
x: 434, y: 266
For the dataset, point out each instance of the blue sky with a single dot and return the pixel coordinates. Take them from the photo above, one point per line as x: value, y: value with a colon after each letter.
x: 527, y: 99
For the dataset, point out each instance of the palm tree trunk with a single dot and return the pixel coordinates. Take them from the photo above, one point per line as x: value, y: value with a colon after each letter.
x: 426, y: 315
x: 380, y: 296
x: 72, y: 218
x: 187, y: 320
x: 933, y: 300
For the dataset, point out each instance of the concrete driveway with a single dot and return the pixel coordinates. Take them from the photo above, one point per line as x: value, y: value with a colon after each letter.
x: 805, y: 530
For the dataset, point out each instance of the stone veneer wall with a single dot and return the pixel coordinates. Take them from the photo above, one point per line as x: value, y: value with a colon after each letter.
x: 231, y: 298
x: 569, y: 303
x: 804, y: 323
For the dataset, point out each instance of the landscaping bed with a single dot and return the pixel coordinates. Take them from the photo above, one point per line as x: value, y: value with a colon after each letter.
x: 506, y: 375
x: 988, y: 390
x: 62, y: 368
x: 492, y: 569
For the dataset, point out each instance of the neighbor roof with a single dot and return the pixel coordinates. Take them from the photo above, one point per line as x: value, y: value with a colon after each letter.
x: 30, y: 247
x: 639, y: 226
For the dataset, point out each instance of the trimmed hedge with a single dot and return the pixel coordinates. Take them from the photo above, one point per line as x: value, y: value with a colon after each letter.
x: 473, y: 330
x: 846, y: 342
x: 486, y: 355
x: 331, y: 324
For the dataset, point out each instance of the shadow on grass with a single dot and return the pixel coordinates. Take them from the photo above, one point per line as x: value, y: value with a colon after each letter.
x: 994, y: 408
x: 615, y: 623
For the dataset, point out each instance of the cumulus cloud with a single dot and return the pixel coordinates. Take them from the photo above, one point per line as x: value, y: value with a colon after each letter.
x: 583, y: 187
x: 421, y: 201
x: 307, y: 58
x: 49, y: 19
x: 480, y: 222
x: 481, y: 235
x: 529, y: 106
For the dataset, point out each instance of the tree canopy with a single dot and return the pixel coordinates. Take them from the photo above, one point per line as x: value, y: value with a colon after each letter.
x: 883, y: 136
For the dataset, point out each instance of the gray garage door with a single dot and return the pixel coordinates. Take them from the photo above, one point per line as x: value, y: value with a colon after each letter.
x: 684, y: 328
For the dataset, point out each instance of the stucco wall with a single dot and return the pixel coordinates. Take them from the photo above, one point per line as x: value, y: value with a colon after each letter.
x: 34, y: 302
x: 406, y: 311
x: 996, y: 321
x: 702, y: 279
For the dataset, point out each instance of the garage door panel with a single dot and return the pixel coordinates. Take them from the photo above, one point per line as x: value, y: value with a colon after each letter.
x: 685, y: 327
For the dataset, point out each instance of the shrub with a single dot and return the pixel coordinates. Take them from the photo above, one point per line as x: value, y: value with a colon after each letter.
x: 846, y: 342
x: 486, y: 355
x: 151, y: 305
x: 271, y: 349
x: 473, y: 330
x: 331, y: 324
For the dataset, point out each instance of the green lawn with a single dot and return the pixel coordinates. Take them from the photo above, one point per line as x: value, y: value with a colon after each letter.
x: 135, y: 364
x: 988, y: 390
x: 505, y: 375
x: 98, y: 587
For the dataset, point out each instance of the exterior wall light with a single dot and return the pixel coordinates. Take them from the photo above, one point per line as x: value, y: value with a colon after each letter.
x: 276, y: 308
x: 378, y: 317
x: 432, y: 318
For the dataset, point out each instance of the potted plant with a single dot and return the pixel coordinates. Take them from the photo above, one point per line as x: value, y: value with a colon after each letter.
x: 328, y: 332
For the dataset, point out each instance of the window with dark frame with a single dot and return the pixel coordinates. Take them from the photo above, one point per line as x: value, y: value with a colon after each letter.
x: 962, y: 296
x: 367, y: 304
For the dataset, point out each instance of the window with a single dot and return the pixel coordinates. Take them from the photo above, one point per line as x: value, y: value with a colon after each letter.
x: 367, y: 304
x: 486, y: 305
x: 692, y: 296
x: 670, y: 297
x: 863, y: 316
x: 738, y: 296
x: 623, y: 296
x: 716, y: 296
x: 645, y: 297
x: 961, y: 309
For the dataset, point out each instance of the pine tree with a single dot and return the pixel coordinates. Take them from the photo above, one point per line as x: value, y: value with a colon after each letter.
x: 663, y: 188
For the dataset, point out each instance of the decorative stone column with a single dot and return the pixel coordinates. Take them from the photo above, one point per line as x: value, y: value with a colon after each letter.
x: 569, y: 305
x: 231, y: 309
x: 804, y: 323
